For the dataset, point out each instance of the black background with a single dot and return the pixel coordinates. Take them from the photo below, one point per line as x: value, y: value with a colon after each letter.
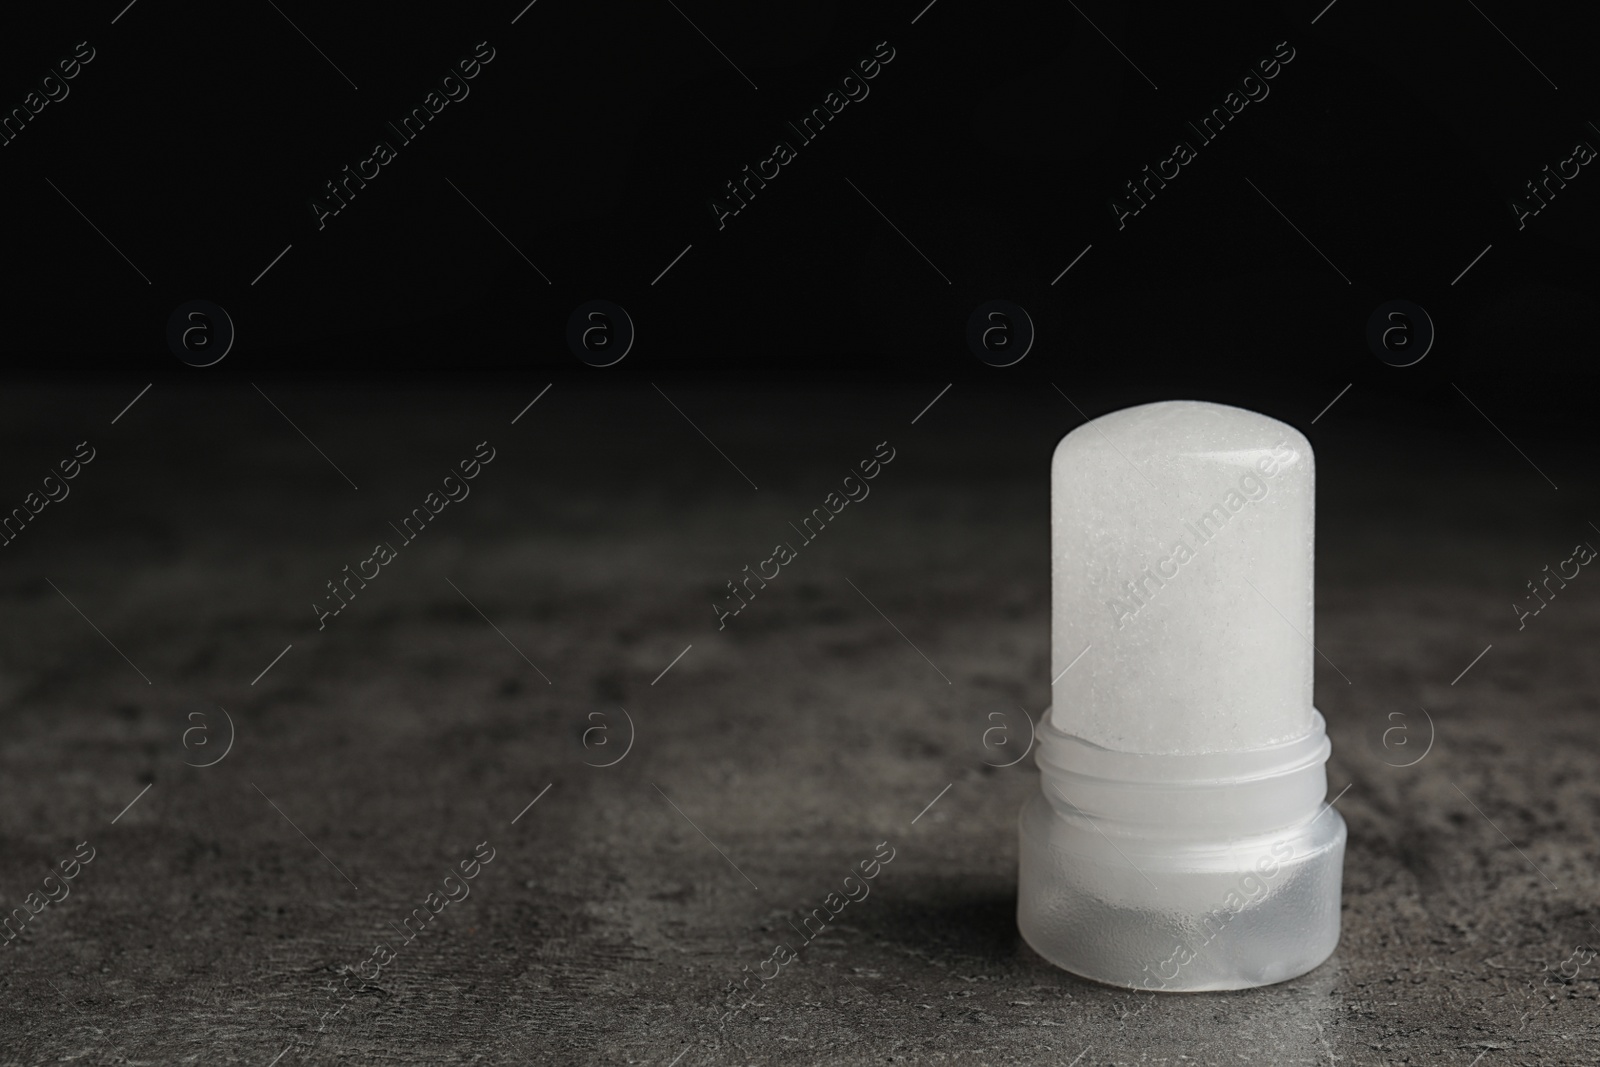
x: 596, y: 137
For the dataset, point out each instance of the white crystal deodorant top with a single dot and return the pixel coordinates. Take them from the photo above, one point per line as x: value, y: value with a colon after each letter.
x: 1182, y: 558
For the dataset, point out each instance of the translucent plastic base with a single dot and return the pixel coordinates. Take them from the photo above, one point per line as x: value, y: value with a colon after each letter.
x: 1231, y: 915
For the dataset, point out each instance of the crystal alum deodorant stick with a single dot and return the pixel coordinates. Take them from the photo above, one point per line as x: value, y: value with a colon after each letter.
x: 1181, y: 840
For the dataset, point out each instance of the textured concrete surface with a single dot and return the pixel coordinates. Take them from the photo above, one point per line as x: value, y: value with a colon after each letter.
x: 221, y: 910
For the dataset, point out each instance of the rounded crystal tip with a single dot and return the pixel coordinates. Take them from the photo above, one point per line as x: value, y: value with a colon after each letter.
x: 1182, y: 567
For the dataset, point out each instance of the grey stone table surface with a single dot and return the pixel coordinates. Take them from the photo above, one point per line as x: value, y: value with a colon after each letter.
x: 230, y: 913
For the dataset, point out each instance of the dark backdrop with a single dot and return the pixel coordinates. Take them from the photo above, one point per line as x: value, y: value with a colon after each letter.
x: 979, y: 166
